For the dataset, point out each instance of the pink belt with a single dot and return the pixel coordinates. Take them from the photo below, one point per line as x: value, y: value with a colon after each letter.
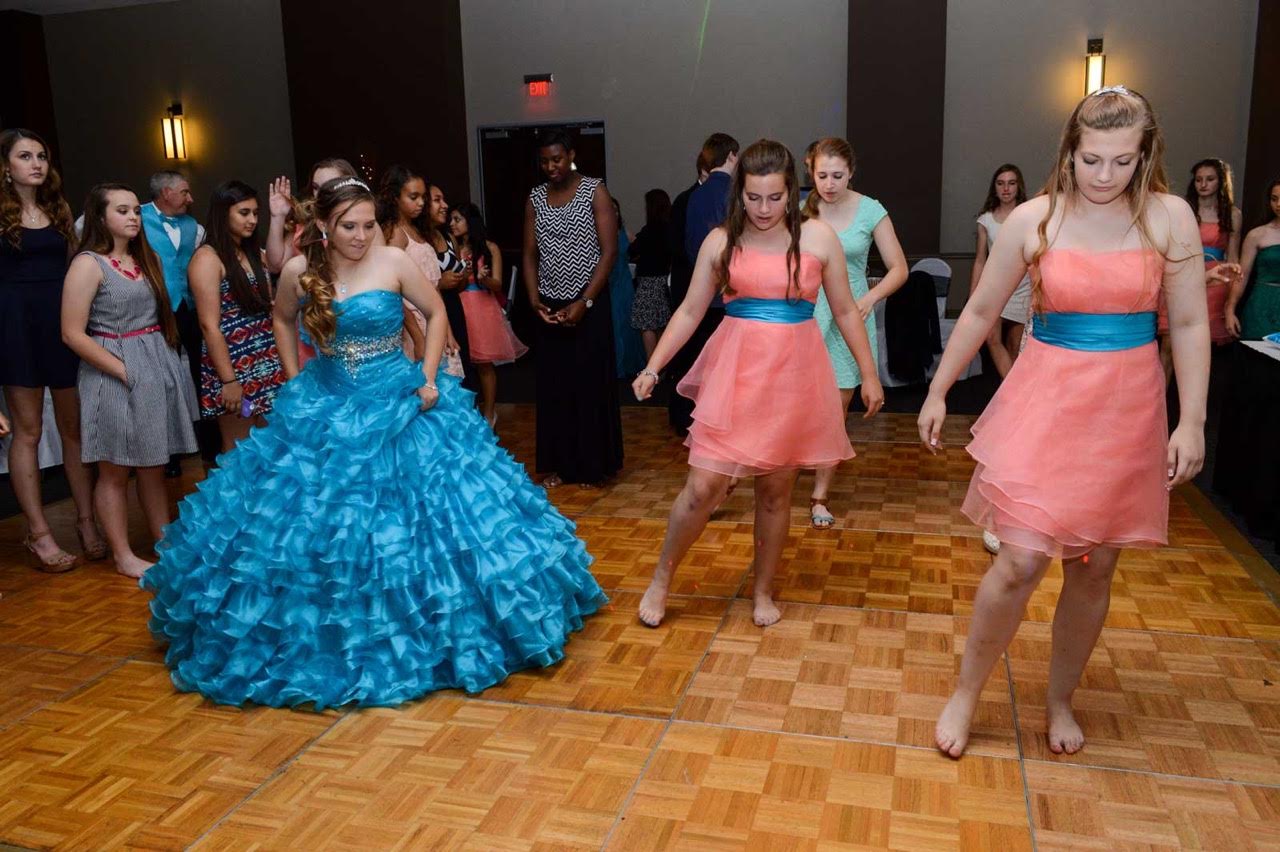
x: 151, y: 329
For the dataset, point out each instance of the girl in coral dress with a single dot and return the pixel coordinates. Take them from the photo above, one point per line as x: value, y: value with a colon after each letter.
x: 492, y: 340
x: 766, y: 401
x: 1073, y: 456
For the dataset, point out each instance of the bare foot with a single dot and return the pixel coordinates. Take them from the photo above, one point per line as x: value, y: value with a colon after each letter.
x: 552, y: 481
x: 653, y: 606
x: 766, y: 611
x: 132, y: 566
x: 952, y: 731
x: 1065, y: 736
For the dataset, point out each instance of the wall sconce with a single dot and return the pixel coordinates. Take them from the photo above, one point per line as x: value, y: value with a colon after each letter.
x: 1095, y: 65
x: 175, y: 135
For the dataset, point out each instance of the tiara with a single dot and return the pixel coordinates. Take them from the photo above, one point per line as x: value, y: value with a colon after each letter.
x: 352, y: 182
x: 1113, y: 90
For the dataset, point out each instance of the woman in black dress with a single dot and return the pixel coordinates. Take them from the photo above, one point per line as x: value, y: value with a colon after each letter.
x: 35, y: 231
x: 570, y: 242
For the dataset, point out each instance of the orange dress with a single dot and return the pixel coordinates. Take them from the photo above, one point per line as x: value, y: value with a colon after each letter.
x: 1072, y: 449
x: 1214, y: 242
x: 764, y: 392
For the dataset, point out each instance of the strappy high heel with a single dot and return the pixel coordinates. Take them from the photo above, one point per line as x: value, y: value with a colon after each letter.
x: 60, y: 564
x: 95, y: 554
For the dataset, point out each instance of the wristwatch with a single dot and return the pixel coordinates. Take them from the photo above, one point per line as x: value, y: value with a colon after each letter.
x: 588, y: 302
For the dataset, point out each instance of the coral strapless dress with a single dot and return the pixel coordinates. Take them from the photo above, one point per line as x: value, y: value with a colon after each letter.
x: 764, y: 392
x: 359, y: 551
x: 1072, y: 449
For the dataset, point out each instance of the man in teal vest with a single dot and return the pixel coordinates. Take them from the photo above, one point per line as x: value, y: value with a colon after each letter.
x: 174, y: 236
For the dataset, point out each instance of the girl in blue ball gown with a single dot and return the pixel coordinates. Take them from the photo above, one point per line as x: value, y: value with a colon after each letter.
x: 372, y: 542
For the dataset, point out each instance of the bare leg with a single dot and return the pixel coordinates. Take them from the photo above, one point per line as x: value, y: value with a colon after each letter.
x: 1000, y: 356
x: 824, y: 476
x: 112, y: 503
x: 487, y: 377
x: 154, y: 498
x: 702, y: 491
x: 233, y: 429
x: 26, y: 409
x: 650, y: 339
x: 997, y: 610
x: 1077, y: 623
x: 1166, y: 358
x: 773, y: 517
x: 66, y: 410
x: 1013, y: 341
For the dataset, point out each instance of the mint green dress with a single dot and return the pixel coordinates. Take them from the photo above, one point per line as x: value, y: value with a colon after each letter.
x: 856, y: 239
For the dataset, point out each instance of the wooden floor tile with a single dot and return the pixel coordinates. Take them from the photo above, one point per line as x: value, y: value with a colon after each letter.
x: 836, y: 672
x: 32, y: 677
x: 451, y: 773
x: 1205, y: 591
x: 128, y: 761
x: 1075, y: 807
x: 715, y: 788
x: 1181, y: 705
x: 879, y: 570
x: 617, y: 664
x: 626, y: 552
x: 91, y: 610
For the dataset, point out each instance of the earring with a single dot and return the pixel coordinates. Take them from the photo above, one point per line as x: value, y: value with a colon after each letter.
x: 324, y: 238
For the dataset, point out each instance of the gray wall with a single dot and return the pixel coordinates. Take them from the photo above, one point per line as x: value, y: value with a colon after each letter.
x: 1015, y: 70
x: 115, y: 71
x: 763, y: 68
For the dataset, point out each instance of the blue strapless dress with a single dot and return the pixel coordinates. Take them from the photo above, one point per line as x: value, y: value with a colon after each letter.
x: 359, y: 551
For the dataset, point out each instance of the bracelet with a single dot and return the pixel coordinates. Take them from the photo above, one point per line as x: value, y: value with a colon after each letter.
x: 651, y: 373
x: 227, y: 381
x: 431, y: 386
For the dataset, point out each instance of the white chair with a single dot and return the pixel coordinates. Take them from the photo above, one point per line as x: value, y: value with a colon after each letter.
x: 511, y: 292
x: 939, y: 270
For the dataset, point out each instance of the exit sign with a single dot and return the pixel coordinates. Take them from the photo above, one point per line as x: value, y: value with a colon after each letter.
x: 538, y: 85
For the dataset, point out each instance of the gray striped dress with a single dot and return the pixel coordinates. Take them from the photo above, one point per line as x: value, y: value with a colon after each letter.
x: 142, y: 423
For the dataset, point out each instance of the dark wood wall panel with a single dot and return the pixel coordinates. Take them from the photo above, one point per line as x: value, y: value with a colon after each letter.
x: 1262, y: 157
x: 29, y: 103
x: 897, y: 82
x: 379, y: 88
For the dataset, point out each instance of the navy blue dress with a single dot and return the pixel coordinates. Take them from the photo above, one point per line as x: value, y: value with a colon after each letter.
x: 359, y: 551
x: 31, y: 274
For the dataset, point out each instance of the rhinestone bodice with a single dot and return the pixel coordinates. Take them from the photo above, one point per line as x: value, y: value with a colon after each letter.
x: 369, y: 331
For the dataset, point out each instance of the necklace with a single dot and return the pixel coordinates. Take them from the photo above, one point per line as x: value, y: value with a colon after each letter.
x: 32, y: 217
x: 132, y: 274
x: 342, y: 289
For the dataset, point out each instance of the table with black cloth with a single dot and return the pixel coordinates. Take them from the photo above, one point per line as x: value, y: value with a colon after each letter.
x: 1247, y: 465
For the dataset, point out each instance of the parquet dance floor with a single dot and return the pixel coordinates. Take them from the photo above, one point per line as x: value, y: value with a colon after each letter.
x: 707, y: 733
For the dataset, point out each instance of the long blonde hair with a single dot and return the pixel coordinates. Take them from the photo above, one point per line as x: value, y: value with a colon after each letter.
x: 828, y: 146
x: 332, y: 202
x: 1113, y: 108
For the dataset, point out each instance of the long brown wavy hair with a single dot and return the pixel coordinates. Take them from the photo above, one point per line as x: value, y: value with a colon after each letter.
x: 1107, y: 109
x: 828, y: 146
x: 1226, y: 192
x: 332, y: 202
x: 97, y: 239
x: 762, y: 157
x: 49, y: 196
x: 993, y: 198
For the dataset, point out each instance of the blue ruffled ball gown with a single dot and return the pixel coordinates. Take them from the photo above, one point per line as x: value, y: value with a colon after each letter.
x: 359, y: 551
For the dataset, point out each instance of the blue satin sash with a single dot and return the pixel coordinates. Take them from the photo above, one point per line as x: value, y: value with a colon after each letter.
x: 1214, y: 253
x: 472, y: 287
x: 1095, y: 332
x: 769, y: 310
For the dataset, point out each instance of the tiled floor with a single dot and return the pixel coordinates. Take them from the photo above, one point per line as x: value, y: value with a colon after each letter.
x: 706, y: 733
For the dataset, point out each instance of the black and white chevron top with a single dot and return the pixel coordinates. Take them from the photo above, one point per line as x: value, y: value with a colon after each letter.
x: 568, y: 245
